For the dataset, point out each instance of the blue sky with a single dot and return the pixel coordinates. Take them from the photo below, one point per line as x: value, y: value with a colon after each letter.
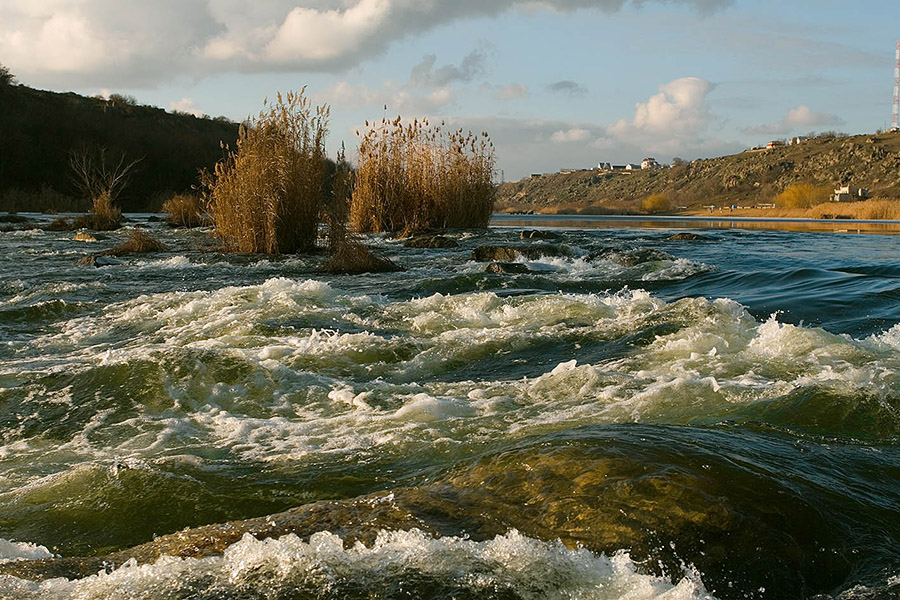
x: 557, y: 83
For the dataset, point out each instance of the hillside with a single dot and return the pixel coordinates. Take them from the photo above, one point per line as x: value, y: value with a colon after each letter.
x: 39, y: 130
x: 868, y: 161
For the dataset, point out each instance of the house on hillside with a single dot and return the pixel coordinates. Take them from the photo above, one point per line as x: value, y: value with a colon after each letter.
x: 774, y: 144
x: 604, y: 166
x: 649, y: 163
x: 850, y: 194
x: 796, y: 141
x: 632, y: 167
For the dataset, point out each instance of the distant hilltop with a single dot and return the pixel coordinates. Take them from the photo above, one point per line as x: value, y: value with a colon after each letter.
x: 753, y: 177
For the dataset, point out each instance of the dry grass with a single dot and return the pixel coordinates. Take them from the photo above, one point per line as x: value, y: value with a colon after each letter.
x: 802, y: 195
x: 104, y: 216
x: 138, y: 242
x: 183, y: 210
x: 266, y: 195
x: 414, y: 177
x: 877, y: 208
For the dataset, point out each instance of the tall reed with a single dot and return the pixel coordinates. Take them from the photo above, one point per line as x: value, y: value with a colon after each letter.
x: 264, y: 197
x: 413, y: 177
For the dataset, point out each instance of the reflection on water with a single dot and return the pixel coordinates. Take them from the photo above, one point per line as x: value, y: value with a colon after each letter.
x: 670, y: 222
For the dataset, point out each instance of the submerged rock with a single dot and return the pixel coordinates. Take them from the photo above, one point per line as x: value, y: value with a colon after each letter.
x: 687, y: 236
x: 97, y: 260
x: 431, y: 241
x: 536, y: 234
x: 511, y: 253
x: 671, y: 496
x: 507, y: 268
x: 630, y: 258
x: 14, y: 218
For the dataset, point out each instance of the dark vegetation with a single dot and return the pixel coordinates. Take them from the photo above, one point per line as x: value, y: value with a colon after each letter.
x: 42, y: 130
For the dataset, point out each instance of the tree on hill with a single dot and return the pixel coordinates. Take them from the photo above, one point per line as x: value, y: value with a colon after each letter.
x: 6, y: 78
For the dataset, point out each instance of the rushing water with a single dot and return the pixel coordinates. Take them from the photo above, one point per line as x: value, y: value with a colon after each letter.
x: 639, y: 418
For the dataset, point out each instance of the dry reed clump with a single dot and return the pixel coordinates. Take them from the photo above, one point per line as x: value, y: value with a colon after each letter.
x: 413, y: 177
x: 264, y: 197
x: 103, y: 216
x: 138, y: 242
x: 183, y: 210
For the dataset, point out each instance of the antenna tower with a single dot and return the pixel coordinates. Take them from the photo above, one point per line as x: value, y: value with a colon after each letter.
x: 896, y: 124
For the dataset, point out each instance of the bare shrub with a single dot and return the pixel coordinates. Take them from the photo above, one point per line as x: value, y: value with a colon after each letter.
x: 802, y: 195
x: 183, y: 210
x: 101, y: 179
x: 264, y: 197
x: 415, y: 177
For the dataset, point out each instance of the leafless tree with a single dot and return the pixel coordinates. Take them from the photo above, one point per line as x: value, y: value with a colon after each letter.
x: 97, y: 176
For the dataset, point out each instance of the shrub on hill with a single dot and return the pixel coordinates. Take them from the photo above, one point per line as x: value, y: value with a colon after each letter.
x: 803, y: 195
x: 415, y: 177
x: 656, y: 203
x: 265, y: 196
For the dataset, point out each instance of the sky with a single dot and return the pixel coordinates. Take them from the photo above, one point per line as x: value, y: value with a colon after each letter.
x: 556, y: 83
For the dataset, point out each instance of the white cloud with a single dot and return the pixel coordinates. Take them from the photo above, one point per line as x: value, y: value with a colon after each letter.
x: 134, y: 42
x: 565, y: 136
x: 186, y: 105
x: 678, y: 110
x: 800, y: 117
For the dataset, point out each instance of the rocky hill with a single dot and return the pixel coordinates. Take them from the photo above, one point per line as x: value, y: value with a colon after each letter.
x: 39, y: 131
x: 752, y: 177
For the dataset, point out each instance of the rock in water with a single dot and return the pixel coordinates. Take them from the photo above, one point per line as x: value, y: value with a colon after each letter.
x: 81, y: 236
x: 507, y: 268
x: 93, y: 260
x: 430, y: 241
x: 686, y: 236
x: 534, y: 234
x: 511, y: 253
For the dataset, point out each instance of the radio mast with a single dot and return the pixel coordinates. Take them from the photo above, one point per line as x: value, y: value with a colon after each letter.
x: 896, y: 124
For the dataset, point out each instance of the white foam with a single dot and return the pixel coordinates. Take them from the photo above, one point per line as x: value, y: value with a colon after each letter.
x: 303, y: 391
x: 528, y: 568
x: 11, y: 551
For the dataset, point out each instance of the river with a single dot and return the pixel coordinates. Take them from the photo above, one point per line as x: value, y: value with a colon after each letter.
x: 636, y: 417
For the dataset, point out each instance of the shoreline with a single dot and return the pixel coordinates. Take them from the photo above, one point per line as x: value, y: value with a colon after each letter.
x: 689, y: 221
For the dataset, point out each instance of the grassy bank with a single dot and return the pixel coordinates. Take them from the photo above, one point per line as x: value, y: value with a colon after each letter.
x: 877, y: 208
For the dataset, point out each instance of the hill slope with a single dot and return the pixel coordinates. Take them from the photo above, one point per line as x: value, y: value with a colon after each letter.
x: 869, y: 161
x: 40, y: 129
